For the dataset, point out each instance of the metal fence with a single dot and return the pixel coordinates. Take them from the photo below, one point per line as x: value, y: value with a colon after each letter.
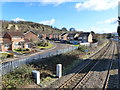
x: 10, y: 66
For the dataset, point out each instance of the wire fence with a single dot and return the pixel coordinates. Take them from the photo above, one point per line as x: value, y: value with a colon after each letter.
x: 10, y: 66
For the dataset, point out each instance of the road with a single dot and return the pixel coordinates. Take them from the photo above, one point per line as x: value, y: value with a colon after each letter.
x: 57, y: 46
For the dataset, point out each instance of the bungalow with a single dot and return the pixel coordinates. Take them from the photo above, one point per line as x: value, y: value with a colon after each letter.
x: 32, y: 36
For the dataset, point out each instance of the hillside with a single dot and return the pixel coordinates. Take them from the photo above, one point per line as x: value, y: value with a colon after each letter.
x: 24, y: 26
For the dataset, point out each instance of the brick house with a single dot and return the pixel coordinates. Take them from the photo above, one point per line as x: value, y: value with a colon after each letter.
x: 5, y: 42
x: 32, y: 36
x: 44, y: 36
x: 51, y: 37
x: 56, y: 36
x: 13, y: 40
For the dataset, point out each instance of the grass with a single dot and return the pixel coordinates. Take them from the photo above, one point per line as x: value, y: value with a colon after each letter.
x: 75, y: 45
x: 47, y: 47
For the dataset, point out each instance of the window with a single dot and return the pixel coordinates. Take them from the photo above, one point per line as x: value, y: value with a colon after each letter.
x: 6, y: 45
x: 85, y: 37
x: 15, y: 44
x: 80, y: 38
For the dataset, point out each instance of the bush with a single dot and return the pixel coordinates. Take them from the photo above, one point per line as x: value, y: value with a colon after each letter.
x: 21, y: 49
x: 18, y: 49
x: 18, y: 77
x: 10, y: 55
x: 6, y: 55
x: 82, y: 48
x: 43, y: 44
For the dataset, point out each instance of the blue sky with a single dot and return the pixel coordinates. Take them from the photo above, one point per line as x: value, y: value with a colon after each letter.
x: 99, y: 16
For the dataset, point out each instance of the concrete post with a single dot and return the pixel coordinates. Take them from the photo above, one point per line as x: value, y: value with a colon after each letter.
x: 36, y: 75
x: 59, y: 70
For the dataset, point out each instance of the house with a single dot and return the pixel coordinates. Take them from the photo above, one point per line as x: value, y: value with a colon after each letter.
x: 56, y: 36
x: 32, y: 36
x: 70, y: 36
x: 64, y: 37
x: 13, y: 40
x: 51, y: 36
x: 5, y: 42
x: 44, y: 36
x: 73, y: 38
x: 17, y: 39
x: 85, y: 37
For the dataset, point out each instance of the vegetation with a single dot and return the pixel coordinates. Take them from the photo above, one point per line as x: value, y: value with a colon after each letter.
x: 6, y: 55
x: 118, y: 31
x: 22, y: 50
x: 24, y: 26
x: 18, y: 77
x: 82, y: 48
x: 42, y: 44
x: 46, y: 46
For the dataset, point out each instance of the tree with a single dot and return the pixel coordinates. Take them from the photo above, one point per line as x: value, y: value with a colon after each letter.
x: 92, y: 32
x: 118, y: 30
x: 64, y: 29
x: 72, y: 29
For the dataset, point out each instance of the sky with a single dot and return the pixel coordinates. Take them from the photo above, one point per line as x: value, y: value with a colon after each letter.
x: 99, y: 16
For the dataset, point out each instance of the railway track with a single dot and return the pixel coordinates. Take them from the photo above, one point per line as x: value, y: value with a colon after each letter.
x: 84, y: 72
x: 82, y: 82
x: 118, y: 45
x: 111, y: 82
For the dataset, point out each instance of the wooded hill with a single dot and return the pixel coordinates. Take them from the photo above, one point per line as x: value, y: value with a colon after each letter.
x: 24, y: 26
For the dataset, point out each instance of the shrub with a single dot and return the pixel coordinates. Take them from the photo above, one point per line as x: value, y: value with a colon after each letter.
x: 82, y: 48
x: 18, y: 77
x: 18, y: 49
x: 43, y: 44
x: 10, y: 55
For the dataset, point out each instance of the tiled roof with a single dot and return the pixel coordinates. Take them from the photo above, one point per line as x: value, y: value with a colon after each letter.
x: 63, y: 34
x: 32, y: 32
x: 84, y: 34
x: 71, y: 34
x: 18, y: 34
x: 2, y: 34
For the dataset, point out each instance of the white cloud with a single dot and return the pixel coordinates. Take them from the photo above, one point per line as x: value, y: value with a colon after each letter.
x: 18, y: 19
x: 109, y: 21
x: 48, y: 22
x: 97, y: 5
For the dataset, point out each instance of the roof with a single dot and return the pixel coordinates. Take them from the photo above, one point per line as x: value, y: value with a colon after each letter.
x: 63, y: 34
x: 71, y: 34
x: 31, y: 31
x: 84, y: 34
x: 15, y: 34
x: 2, y: 34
